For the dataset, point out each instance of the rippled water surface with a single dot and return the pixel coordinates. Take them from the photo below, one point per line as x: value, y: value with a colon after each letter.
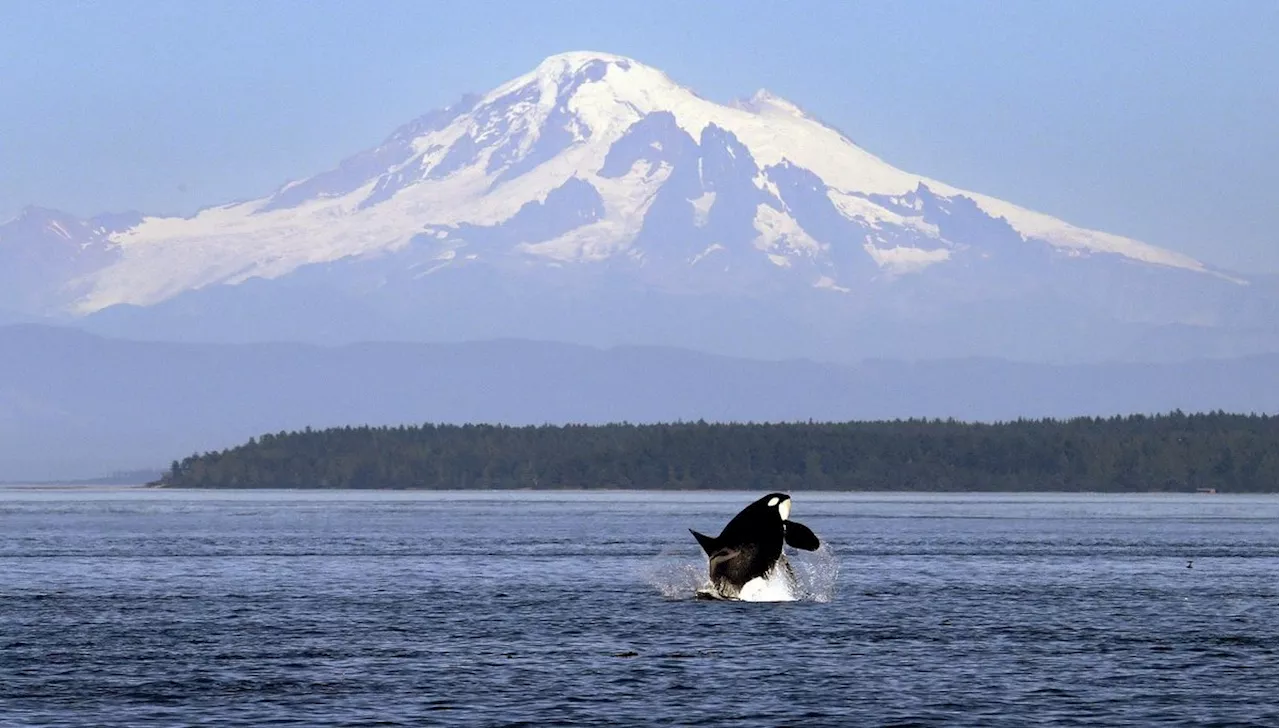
x: 134, y: 607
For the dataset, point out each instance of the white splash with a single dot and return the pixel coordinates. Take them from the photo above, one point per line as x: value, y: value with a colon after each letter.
x: 678, y: 574
x: 775, y: 586
x: 817, y: 574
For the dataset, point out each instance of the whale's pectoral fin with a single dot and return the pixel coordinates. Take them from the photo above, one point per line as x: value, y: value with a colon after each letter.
x: 799, y: 536
x: 708, y: 544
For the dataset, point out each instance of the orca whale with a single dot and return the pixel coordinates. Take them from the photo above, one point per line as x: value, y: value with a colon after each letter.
x: 750, y: 546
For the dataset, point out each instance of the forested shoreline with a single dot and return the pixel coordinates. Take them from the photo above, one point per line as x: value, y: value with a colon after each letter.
x: 1173, y: 452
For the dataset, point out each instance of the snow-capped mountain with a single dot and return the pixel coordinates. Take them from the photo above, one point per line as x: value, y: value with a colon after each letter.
x: 595, y: 199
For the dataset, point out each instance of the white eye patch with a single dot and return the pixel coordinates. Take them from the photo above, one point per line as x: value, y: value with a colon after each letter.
x: 773, y: 502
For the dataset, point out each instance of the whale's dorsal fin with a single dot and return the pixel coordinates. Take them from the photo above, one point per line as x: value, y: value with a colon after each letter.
x: 708, y: 544
x: 799, y: 536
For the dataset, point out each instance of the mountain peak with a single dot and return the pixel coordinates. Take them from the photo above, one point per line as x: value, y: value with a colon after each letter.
x: 572, y: 61
x: 568, y: 69
x: 561, y: 76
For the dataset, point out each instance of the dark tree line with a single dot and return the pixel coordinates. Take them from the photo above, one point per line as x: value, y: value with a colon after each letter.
x: 1174, y: 452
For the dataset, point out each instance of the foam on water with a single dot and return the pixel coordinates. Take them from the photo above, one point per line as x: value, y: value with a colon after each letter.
x: 679, y: 573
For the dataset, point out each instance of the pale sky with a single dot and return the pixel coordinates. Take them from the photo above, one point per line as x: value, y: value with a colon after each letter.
x: 1154, y: 119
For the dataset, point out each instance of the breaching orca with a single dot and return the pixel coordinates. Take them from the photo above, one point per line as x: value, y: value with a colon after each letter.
x: 750, y: 546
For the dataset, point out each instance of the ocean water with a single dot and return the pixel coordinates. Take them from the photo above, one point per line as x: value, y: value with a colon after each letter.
x: 129, y: 607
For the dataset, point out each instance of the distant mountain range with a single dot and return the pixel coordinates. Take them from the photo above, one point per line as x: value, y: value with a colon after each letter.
x: 596, y: 201
x: 75, y: 405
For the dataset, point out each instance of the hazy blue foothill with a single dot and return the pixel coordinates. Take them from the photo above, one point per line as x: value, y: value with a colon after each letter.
x: 77, y: 405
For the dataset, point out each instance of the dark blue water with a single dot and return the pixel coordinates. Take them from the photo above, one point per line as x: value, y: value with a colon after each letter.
x: 147, y: 608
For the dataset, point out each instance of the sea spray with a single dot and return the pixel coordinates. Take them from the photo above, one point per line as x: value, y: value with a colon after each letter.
x: 681, y: 573
x: 817, y: 573
x: 677, y: 573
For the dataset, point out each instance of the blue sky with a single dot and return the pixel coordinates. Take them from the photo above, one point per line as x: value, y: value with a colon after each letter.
x: 1150, y: 118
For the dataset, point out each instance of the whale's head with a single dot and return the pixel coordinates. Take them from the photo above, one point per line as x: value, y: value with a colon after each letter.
x: 779, y: 502
x: 776, y: 507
